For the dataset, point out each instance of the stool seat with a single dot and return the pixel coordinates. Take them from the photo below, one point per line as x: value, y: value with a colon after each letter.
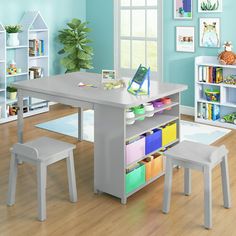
x: 42, y: 152
x: 48, y: 147
x: 197, y: 152
x: 201, y: 157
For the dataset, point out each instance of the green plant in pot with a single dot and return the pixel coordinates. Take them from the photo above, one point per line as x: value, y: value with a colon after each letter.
x: 11, y: 93
x: 13, y: 31
x: 77, y: 53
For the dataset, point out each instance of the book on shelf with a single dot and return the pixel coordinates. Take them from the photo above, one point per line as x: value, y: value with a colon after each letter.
x: 208, y: 111
x: 35, y: 72
x: 36, y: 47
x: 210, y: 74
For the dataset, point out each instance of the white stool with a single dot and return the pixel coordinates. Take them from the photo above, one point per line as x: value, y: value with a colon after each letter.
x: 42, y: 152
x: 191, y: 155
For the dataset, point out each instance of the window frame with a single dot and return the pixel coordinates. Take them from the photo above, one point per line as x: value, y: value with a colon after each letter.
x: 117, y: 39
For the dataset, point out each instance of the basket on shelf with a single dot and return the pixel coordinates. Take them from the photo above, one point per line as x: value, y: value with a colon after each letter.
x: 212, y: 95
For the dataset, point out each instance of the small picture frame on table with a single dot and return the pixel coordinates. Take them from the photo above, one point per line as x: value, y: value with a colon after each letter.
x: 210, y: 6
x: 209, y: 32
x: 108, y: 76
x: 183, y: 9
x: 185, y: 39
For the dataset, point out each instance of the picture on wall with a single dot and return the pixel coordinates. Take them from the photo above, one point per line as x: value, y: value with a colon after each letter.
x: 210, y: 6
x: 185, y: 39
x: 209, y: 32
x: 183, y: 9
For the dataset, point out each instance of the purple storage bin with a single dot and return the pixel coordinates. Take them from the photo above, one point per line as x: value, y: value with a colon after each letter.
x: 135, y: 150
x: 153, y: 141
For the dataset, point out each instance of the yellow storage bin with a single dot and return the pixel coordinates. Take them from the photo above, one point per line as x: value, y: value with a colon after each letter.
x: 169, y: 133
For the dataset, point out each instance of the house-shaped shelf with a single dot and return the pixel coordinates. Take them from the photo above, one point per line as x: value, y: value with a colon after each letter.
x: 33, y: 21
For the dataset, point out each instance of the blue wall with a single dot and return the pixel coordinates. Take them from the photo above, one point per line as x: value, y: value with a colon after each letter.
x: 56, y: 14
x: 178, y: 67
x: 100, y: 15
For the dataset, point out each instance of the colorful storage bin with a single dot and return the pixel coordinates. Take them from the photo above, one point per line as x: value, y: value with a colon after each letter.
x: 148, y: 165
x: 157, y: 164
x: 169, y: 133
x: 135, y: 179
x: 135, y: 150
x: 153, y: 141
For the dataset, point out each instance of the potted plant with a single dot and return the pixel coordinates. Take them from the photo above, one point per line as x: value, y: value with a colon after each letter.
x: 13, y: 31
x: 11, y: 93
x: 78, y: 54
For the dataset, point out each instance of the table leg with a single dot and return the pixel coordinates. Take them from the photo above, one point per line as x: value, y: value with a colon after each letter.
x: 80, y: 123
x: 20, y: 120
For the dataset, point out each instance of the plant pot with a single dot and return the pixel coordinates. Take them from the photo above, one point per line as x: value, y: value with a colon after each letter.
x: 11, y: 95
x: 12, y: 39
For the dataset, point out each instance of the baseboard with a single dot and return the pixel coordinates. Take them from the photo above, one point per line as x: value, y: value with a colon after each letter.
x: 186, y: 110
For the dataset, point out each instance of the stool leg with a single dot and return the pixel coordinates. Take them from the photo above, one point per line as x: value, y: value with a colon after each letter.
x: 71, y: 177
x: 41, y: 179
x: 187, y: 181
x: 225, y: 182
x: 207, y: 197
x: 167, y: 186
x: 12, y: 181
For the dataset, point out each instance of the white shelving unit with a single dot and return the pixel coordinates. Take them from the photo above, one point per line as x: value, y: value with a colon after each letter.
x: 33, y: 27
x: 227, y: 103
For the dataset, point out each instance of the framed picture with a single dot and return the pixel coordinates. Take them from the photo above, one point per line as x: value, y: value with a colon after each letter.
x: 108, y: 76
x: 185, y: 39
x: 210, y: 6
x: 183, y: 9
x: 209, y: 32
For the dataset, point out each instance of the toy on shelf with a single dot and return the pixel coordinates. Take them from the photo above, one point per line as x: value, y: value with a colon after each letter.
x: 12, y: 69
x: 130, y: 117
x: 167, y: 101
x: 230, y: 79
x: 212, y: 95
x: 141, y: 77
x: 149, y: 109
x: 139, y: 110
x: 230, y: 118
x: 227, y: 57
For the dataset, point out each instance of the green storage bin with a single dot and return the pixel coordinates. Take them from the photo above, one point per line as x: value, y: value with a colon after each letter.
x: 135, y: 179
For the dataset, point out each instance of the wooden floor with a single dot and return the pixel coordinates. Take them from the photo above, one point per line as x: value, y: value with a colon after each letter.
x: 103, y: 214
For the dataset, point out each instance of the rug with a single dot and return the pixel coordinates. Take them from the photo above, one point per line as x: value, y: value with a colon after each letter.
x: 191, y: 131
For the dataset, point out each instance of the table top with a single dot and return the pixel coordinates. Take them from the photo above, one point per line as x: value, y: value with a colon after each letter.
x: 66, y: 85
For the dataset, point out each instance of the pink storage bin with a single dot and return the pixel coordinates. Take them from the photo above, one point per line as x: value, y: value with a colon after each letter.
x: 135, y: 150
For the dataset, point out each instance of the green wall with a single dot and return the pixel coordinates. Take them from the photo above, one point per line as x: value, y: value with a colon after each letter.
x: 178, y: 67
x: 56, y: 13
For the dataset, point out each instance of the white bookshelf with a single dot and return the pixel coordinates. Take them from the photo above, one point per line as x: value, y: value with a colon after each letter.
x: 33, y: 27
x: 227, y: 102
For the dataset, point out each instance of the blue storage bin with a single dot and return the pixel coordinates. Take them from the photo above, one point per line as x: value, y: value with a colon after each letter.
x: 153, y: 141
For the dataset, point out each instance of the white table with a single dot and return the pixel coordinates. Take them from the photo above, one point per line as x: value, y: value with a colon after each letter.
x: 110, y: 130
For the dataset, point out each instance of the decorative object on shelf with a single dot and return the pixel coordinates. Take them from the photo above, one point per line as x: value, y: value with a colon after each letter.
x: 149, y: 109
x: 11, y: 93
x: 230, y: 118
x: 183, y: 9
x: 212, y: 95
x: 35, y: 72
x: 78, y: 55
x: 12, y: 69
x: 130, y: 117
x: 227, y: 57
x: 166, y: 101
x: 210, y: 6
x: 230, y: 79
x: 13, y: 30
x: 140, y: 79
x: 185, y: 39
x: 209, y: 32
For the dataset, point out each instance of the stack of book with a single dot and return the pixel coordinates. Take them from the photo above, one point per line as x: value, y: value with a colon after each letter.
x: 36, y: 47
x: 35, y: 72
x: 208, y: 111
x: 210, y: 74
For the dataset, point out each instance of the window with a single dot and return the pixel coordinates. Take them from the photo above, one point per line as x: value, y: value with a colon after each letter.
x: 138, y: 36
